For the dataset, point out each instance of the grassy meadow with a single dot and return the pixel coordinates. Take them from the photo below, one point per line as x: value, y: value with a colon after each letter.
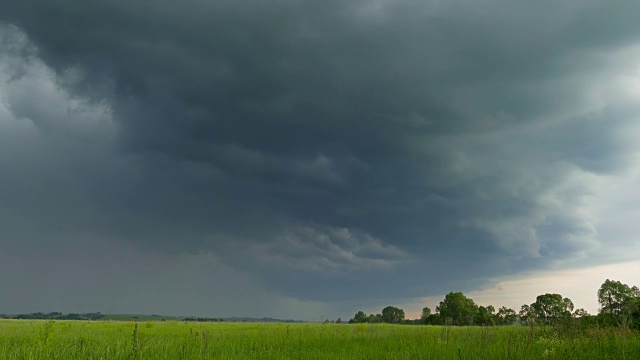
x: 42, y: 339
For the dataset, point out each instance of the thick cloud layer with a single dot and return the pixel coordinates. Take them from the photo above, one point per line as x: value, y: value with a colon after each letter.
x: 332, y: 151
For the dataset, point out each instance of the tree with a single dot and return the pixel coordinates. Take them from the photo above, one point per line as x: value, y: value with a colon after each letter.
x: 374, y: 319
x: 612, y: 296
x: 426, y: 312
x: 339, y: 321
x: 551, y: 308
x: 485, y: 315
x: 618, y: 302
x: 433, y: 319
x: 506, y: 316
x: 526, y: 314
x: 392, y: 315
x: 457, y: 309
x: 580, y: 313
x: 359, y: 317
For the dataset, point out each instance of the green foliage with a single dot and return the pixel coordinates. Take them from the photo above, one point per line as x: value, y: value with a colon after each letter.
x: 374, y: 319
x: 551, y: 308
x: 358, y: 318
x: 580, y: 313
x: 485, y: 315
x: 619, y: 304
x: 424, y: 317
x: 80, y: 340
x: 526, y: 314
x: 457, y: 309
x: 392, y: 315
x: 56, y: 316
x: 46, y: 332
x: 506, y: 316
x: 135, y: 343
x: 434, y: 319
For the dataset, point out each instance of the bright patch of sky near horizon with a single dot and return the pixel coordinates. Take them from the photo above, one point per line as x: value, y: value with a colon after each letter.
x: 579, y: 285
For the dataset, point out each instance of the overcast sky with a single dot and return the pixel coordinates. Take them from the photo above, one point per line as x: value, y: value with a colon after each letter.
x: 305, y: 159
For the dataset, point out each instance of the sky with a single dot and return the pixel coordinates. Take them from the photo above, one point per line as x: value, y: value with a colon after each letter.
x: 306, y: 160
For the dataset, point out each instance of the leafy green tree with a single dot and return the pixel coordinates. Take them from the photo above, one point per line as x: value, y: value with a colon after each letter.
x: 526, y: 314
x: 339, y: 321
x: 580, y: 313
x: 485, y: 315
x: 433, y: 319
x: 457, y: 309
x: 506, y: 316
x: 360, y: 317
x: 426, y: 312
x: 392, y: 315
x: 551, y: 308
x: 374, y: 319
x: 618, y: 302
x: 583, y: 318
x: 613, y: 296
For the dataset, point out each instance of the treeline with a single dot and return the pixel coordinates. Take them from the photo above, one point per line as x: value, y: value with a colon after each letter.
x: 203, y: 319
x: 239, y: 319
x: 619, y: 306
x: 55, y: 316
x: 124, y: 317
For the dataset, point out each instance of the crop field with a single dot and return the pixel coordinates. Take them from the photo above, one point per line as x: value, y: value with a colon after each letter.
x: 41, y: 339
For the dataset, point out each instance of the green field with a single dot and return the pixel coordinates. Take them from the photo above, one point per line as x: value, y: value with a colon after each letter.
x: 41, y: 339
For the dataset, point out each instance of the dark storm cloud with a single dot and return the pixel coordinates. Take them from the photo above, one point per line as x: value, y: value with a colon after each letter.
x: 324, y: 146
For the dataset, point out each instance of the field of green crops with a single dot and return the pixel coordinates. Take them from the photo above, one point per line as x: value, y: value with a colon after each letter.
x: 41, y: 339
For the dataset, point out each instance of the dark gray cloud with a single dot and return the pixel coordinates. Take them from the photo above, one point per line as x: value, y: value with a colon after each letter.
x: 322, y: 148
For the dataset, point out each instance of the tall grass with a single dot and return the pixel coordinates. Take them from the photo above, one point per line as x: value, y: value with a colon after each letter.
x: 21, y: 339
